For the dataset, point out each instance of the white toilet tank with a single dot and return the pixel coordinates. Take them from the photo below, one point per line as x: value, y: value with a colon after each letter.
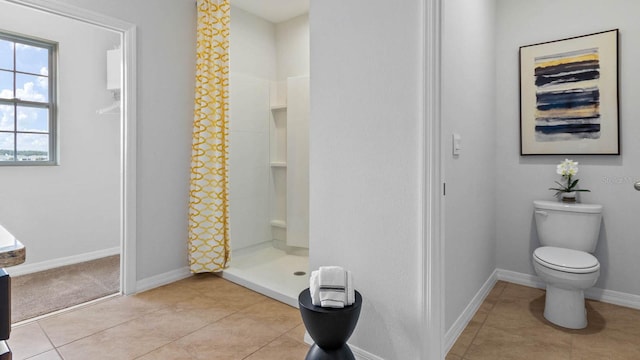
x: 569, y: 226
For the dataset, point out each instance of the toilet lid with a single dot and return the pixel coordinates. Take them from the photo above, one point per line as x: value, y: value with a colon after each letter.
x: 568, y: 260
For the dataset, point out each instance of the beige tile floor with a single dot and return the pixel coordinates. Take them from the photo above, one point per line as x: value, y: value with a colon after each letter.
x: 206, y: 317
x: 202, y: 317
x: 510, y: 325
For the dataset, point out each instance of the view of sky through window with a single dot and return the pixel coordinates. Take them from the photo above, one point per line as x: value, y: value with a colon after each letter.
x: 24, y: 125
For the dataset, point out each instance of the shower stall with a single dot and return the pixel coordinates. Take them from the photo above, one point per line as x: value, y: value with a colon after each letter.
x: 268, y: 156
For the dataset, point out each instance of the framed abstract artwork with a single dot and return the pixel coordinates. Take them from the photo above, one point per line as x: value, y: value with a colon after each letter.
x: 569, y: 96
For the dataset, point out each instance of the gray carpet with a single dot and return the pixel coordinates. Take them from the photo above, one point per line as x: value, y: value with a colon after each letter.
x: 47, y: 291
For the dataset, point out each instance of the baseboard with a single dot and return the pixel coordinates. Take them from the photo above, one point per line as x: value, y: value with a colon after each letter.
x: 357, y: 352
x: 604, y: 295
x: 69, y: 260
x: 461, y: 323
x: 614, y: 297
x: 520, y: 278
x: 162, y: 279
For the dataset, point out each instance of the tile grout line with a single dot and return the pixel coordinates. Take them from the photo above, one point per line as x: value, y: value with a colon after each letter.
x: 571, y: 346
x: 63, y: 311
x: 139, y: 315
x: 54, y: 348
x: 175, y: 340
x: 235, y: 312
x: 284, y: 333
x: 483, y: 321
x: 102, y: 330
x: 161, y: 307
x: 200, y: 328
x: 196, y: 330
x: 267, y: 344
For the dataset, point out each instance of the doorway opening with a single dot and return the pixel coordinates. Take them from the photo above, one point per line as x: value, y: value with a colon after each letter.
x: 82, y: 223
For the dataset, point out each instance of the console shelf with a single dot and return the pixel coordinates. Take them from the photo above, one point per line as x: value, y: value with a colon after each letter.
x: 278, y: 164
x: 279, y: 224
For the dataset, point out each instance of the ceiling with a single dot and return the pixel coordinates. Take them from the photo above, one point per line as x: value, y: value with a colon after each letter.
x: 274, y: 10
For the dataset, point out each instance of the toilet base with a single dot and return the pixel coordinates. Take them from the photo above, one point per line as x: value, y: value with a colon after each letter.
x: 565, y: 307
x: 341, y: 353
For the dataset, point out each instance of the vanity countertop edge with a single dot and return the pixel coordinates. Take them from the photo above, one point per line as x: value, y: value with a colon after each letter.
x: 12, y: 251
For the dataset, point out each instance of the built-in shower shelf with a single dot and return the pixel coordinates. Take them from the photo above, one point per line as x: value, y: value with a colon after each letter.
x: 278, y: 164
x: 279, y: 223
x: 278, y: 107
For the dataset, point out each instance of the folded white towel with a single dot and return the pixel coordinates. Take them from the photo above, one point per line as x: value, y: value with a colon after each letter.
x: 351, y: 293
x: 332, y: 282
x: 314, y: 288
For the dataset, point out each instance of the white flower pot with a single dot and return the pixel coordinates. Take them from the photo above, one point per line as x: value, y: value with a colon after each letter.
x: 568, y: 197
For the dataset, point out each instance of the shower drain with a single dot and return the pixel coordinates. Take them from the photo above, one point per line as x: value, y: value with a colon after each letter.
x: 299, y: 273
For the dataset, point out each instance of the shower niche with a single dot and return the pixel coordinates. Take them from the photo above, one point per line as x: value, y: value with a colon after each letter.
x: 289, y: 164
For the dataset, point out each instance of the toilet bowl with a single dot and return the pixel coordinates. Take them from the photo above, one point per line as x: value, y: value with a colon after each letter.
x: 568, y: 234
x: 567, y: 274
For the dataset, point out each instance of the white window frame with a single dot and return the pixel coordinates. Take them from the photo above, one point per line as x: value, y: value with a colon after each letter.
x: 52, y: 48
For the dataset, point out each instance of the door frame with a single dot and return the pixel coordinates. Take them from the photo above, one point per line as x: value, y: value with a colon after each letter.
x: 432, y: 261
x: 128, y: 121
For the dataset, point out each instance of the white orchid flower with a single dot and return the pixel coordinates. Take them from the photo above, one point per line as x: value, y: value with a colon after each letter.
x: 568, y: 169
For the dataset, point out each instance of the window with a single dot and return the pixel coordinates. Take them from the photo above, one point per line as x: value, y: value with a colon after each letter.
x: 27, y: 101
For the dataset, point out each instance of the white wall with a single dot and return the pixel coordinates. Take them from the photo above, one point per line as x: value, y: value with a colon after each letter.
x: 248, y: 161
x: 520, y: 180
x: 293, y: 47
x: 253, y: 67
x: 71, y: 209
x: 252, y: 45
x: 166, y: 71
x: 364, y: 162
x: 468, y: 108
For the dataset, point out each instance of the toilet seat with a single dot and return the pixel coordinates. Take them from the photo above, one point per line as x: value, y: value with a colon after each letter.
x: 566, y: 260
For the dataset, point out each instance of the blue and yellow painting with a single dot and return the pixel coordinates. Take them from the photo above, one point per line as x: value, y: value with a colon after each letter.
x: 567, y: 96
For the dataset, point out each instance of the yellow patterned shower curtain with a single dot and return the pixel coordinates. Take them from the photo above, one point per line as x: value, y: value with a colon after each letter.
x: 208, y: 203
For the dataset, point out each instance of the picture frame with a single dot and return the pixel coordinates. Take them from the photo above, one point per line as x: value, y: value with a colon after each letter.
x: 569, y: 96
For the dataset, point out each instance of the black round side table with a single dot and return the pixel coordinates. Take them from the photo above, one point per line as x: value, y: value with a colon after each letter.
x: 330, y: 328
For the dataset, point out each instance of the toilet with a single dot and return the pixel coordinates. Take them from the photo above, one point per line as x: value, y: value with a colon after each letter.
x: 568, y: 234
